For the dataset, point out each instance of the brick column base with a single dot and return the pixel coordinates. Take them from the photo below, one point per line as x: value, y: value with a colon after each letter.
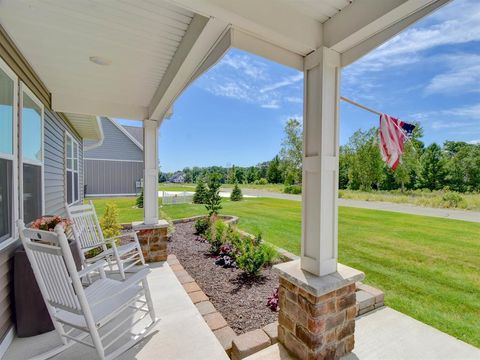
x: 153, y: 240
x: 317, y: 314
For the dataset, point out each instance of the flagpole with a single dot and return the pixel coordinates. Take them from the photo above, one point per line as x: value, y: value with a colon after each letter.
x: 373, y: 112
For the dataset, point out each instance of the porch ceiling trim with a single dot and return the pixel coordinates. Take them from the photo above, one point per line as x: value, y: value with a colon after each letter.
x: 88, y: 127
x: 202, y: 35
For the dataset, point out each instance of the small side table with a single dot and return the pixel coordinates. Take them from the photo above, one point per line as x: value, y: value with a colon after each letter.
x: 31, y: 313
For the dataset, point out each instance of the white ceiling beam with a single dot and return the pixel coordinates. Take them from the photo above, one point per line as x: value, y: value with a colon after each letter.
x: 201, y: 36
x: 359, y: 50
x: 276, y: 22
x: 364, y: 18
x: 72, y: 103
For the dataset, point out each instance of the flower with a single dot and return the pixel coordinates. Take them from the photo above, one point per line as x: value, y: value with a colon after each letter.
x: 48, y: 223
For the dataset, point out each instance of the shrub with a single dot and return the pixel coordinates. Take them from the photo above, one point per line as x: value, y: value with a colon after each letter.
x: 201, y: 226
x: 216, y: 235
x: 200, y: 195
x: 251, y: 257
x: 292, y: 189
x: 236, y: 194
x: 139, y: 201
x: 453, y: 200
x: 270, y: 252
x: 213, y: 201
x: 261, y: 181
x: 109, y: 221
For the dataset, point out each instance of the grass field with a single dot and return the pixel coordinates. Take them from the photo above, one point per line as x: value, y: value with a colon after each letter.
x: 434, y: 199
x: 429, y: 268
x: 191, y: 187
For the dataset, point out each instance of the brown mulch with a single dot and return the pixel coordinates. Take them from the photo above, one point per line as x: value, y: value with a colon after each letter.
x: 240, y: 299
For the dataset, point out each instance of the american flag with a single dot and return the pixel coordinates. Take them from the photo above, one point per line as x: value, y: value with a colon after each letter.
x: 393, y: 133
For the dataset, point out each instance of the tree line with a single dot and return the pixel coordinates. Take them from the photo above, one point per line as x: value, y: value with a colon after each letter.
x: 453, y: 166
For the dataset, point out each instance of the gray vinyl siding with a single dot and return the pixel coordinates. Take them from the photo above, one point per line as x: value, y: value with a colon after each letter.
x: 112, y: 177
x: 116, y: 145
x: 54, y: 171
x: 6, y: 289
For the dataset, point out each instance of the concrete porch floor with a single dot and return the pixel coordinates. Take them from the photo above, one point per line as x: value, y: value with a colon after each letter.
x: 389, y: 334
x: 181, y: 332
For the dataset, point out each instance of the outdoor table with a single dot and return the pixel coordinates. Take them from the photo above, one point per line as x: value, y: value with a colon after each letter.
x: 31, y: 313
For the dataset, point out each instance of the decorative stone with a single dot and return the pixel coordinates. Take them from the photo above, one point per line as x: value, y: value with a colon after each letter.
x: 198, y: 296
x: 205, y: 307
x: 225, y: 335
x: 191, y: 287
x: 249, y: 343
x: 215, y: 321
x: 317, y: 314
x: 272, y: 331
x: 153, y: 240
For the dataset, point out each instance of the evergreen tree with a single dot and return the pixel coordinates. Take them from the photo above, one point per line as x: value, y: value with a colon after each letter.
x: 139, y: 201
x: 236, y: 194
x: 213, y: 202
x: 232, y: 175
x: 200, y: 192
x: 274, y: 174
x: 432, y: 168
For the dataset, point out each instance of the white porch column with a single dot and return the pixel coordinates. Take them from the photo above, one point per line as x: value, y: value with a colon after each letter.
x: 150, y: 177
x: 320, y: 162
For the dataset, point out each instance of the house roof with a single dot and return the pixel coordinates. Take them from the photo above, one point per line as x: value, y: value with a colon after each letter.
x: 136, y: 132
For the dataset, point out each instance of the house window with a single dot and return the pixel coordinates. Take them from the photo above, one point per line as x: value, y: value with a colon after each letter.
x: 32, y: 155
x: 8, y: 111
x: 72, y: 170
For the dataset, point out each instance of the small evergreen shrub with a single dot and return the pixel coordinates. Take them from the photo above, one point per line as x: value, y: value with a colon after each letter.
x: 236, y: 194
x: 139, y: 201
x: 216, y: 235
x: 201, y: 226
x: 292, y: 189
x: 109, y: 222
x: 271, y: 254
x: 213, y: 201
x: 251, y: 257
x: 200, y: 195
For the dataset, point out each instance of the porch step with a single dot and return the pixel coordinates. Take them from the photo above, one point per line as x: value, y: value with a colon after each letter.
x: 368, y: 298
x: 273, y: 352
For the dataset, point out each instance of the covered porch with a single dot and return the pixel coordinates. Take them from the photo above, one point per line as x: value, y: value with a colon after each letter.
x: 132, y: 60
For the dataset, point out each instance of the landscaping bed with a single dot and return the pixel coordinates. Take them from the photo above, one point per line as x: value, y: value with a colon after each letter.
x: 240, y: 298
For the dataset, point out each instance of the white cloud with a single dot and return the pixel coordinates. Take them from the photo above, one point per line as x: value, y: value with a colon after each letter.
x: 285, y: 82
x: 463, y: 75
x: 474, y: 142
x: 249, y: 79
x: 456, y: 23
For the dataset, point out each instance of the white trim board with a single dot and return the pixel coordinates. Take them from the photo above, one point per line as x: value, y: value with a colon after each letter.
x: 126, y: 133
x: 137, y: 161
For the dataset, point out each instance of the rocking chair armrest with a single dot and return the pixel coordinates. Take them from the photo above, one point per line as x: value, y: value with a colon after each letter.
x: 130, y: 233
x: 97, y: 265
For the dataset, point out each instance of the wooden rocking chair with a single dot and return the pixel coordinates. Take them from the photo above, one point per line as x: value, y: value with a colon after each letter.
x: 77, y: 312
x: 88, y: 235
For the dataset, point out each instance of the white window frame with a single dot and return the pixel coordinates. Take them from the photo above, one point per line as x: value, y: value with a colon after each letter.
x: 24, y: 89
x: 14, y: 157
x: 74, y: 142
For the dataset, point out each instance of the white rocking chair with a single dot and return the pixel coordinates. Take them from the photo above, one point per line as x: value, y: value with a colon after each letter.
x: 88, y: 235
x: 77, y: 312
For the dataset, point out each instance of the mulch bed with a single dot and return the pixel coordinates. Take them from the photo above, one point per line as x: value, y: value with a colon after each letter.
x: 240, y: 299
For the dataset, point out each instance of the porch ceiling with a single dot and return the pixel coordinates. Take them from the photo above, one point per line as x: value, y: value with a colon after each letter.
x: 137, y: 37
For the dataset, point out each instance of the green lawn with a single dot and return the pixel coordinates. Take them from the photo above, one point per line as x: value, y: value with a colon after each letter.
x: 191, y: 187
x: 429, y: 268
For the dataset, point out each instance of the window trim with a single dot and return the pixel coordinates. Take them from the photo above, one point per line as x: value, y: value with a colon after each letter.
x: 68, y: 135
x: 14, y: 158
x: 24, y: 89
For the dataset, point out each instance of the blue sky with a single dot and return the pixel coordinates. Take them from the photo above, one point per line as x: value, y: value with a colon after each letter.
x: 235, y: 113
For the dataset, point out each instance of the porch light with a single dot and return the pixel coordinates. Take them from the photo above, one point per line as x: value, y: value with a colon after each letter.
x: 100, y: 60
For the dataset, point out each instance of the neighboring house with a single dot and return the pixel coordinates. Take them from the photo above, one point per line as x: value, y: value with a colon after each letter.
x: 178, y: 177
x: 41, y: 159
x: 115, y: 166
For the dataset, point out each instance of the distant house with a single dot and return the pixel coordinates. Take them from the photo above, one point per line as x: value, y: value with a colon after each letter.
x: 114, y: 167
x: 178, y: 177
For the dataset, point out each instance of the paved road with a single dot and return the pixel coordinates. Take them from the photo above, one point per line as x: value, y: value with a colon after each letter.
x: 472, y: 216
